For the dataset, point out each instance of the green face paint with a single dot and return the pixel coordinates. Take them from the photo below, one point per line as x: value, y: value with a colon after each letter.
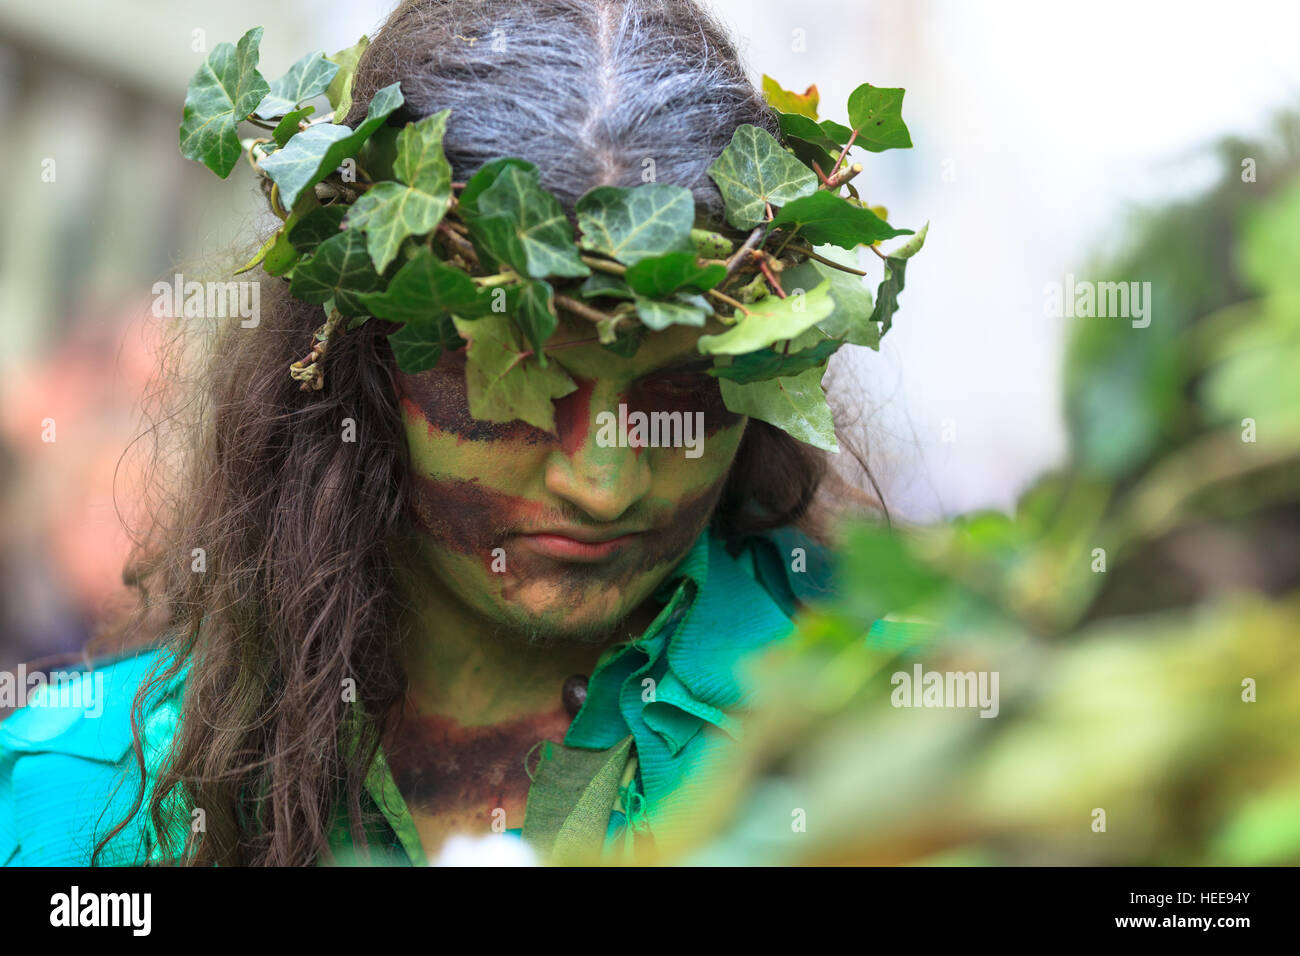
x: 563, y: 535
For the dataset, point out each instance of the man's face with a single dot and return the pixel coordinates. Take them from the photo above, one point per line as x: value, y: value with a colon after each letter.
x: 563, y: 535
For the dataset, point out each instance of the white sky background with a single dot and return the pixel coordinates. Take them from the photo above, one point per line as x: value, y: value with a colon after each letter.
x: 1057, y: 117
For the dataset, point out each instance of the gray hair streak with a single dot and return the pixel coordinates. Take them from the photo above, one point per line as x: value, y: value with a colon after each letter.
x: 590, y: 91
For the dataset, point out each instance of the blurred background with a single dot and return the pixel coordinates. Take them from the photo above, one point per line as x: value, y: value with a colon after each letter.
x: 1102, y: 139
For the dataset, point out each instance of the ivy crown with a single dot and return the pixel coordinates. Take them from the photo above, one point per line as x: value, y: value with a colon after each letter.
x: 373, y: 226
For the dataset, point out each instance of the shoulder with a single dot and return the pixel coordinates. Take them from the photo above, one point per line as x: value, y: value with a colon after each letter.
x: 67, y: 763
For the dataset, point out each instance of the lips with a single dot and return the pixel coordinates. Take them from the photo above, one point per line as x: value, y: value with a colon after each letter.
x: 577, y: 544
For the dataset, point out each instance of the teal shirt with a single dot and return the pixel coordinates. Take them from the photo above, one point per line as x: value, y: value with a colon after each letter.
x: 673, y: 698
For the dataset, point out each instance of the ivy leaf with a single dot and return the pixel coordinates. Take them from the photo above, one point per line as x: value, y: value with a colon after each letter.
x: 805, y: 128
x: 887, y: 293
x: 287, y: 128
x: 776, y: 363
x: 339, y: 269
x: 523, y: 225
x: 661, y: 276
x: 805, y: 103
x: 420, y: 162
x: 259, y: 255
x: 771, y: 320
x: 316, y: 152
x: 602, y: 283
x: 535, y: 313
x: 711, y: 245
x: 807, y: 339
x: 635, y: 223
x: 309, y: 77
x: 320, y: 224
x: 913, y: 245
x: 339, y: 91
x: 876, y: 112
x: 828, y: 136
x: 824, y: 217
x: 755, y: 170
x: 282, y: 254
x: 486, y: 175
x: 851, y: 319
x: 497, y: 243
x: 424, y: 288
x: 504, y: 380
x: 838, y: 133
x: 416, y: 203
x: 754, y: 290
x: 419, y: 344
x: 658, y: 314
x: 224, y: 91
x: 807, y: 140
x: 379, y: 152
x: 814, y: 142
x: 627, y: 339
x: 796, y: 404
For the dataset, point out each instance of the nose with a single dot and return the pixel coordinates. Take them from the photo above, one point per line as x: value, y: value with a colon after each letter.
x: 588, y: 470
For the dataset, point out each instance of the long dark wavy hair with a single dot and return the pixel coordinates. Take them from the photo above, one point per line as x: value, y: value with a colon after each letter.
x: 298, y: 528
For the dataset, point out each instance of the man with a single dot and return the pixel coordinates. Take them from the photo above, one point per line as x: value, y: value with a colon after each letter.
x: 558, y: 569
x: 500, y: 512
x: 571, y: 608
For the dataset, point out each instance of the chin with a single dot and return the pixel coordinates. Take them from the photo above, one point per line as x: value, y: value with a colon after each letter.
x: 540, y: 601
x: 544, y: 613
x: 546, y: 627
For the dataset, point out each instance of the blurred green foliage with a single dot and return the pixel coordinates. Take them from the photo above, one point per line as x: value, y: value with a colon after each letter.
x: 1121, y: 690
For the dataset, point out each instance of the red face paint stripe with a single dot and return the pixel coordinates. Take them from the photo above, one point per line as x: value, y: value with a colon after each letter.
x: 573, y: 416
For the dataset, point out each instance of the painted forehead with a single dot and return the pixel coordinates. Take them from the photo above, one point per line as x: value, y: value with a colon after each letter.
x: 671, y: 348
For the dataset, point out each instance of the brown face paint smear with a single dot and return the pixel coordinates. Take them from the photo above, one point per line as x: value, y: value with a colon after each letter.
x: 442, y: 398
x: 467, y: 518
x: 685, y: 392
x: 440, y: 766
x: 672, y: 542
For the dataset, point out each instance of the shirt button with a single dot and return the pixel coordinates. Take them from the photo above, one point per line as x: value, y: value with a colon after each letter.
x: 574, y: 693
